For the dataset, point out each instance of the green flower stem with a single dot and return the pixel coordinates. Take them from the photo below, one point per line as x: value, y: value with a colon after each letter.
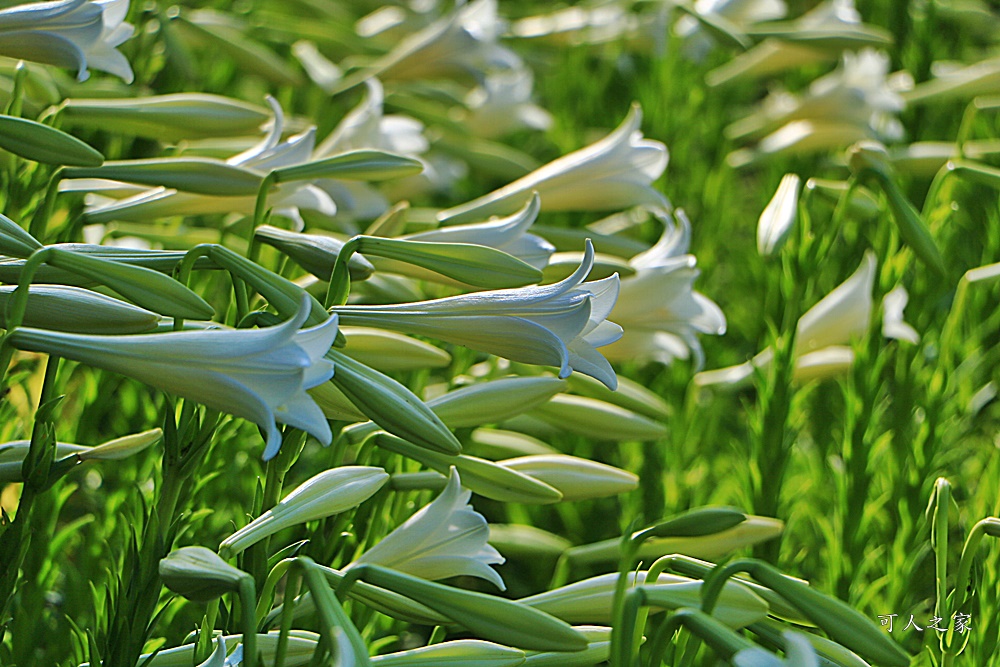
x: 260, y: 210
x: 989, y: 526
x: 270, y: 585
x: 16, y: 308
x: 14, y: 541
x: 248, y: 603
x: 340, y: 278
x: 17, y: 94
x: 44, y: 212
x: 623, y: 625
x: 939, y: 542
x: 274, y: 483
x: 292, y: 585
x: 328, y: 607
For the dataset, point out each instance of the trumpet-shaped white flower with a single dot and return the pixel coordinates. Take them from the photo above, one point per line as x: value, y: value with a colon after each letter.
x: 330, y: 492
x: 779, y: 216
x: 366, y: 126
x: 446, y: 538
x: 893, y: 325
x: 268, y: 154
x: 259, y: 374
x: 819, y: 36
x: 466, y: 43
x: 855, y: 100
x: 659, y: 310
x: 614, y: 173
x: 509, y: 234
x: 558, y: 325
x: 823, y: 336
x: 503, y: 104
x: 69, y: 33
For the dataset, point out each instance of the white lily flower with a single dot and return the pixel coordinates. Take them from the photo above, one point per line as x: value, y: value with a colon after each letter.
x: 616, y: 172
x: 854, y: 100
x: 466, y: 43
x: 778, y: 218
x: 559, y: 325
x: 509, y: 234
x: 330, y: 492
x: 366, y: 126
x: 659, y: 310
x: 823, y: 334
x: 893, y: 325
x: 268, y: 154
x: 502, y: 103
x: 257, y: 374
x: 69, y: 33
x: 739, y: 13
x: 446, y: 538
x: 798, y: 653
x: 808, y: 43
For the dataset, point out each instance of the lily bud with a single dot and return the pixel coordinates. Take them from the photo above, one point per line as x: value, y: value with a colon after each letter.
x: 590, y: 600
x: 300, y: 648
x: 779, y: 217
x: 494, y: 401
x: 144, y: 287
x: 330, y: 492
x: 206, y: 176
x: 174, y: 117
x: 391, y: 405
x: 489, y: 616
x: 42, y: 143
x: 388, y: 351
x: 466, y: 652
x: 76, y: 310
x: 593, y: 418
x: 575, y: 478
x: 15, y: 241
x: 314, y: 253
x: 360, y: 165
x: 469, y: 263
x: 523, y: 541
x: 199, y: 574
x: 597, y: 652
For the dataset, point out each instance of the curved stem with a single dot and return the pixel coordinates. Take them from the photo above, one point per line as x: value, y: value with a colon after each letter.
x: 43, y: 213
x: 17, y: 306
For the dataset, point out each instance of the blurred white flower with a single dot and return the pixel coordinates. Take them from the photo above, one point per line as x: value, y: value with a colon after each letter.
x: 778, y: 218
x: 559, y: 325
x: 658, y: 309
x: 258, y: 374
x: 446, y: 538
x: 464, y: 44
x: 855, y: 101
x: 893, y: 325
x: 268, y: 154
x: 616, y: 172
x: 69, y: 33
x: 823, y: 335
x: 366, y: 126
x: 739, y: 13
x: 819, y: 36
x: 502, y: 103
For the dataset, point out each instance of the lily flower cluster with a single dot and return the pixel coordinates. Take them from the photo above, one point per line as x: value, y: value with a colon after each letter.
x: 857, y: 101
